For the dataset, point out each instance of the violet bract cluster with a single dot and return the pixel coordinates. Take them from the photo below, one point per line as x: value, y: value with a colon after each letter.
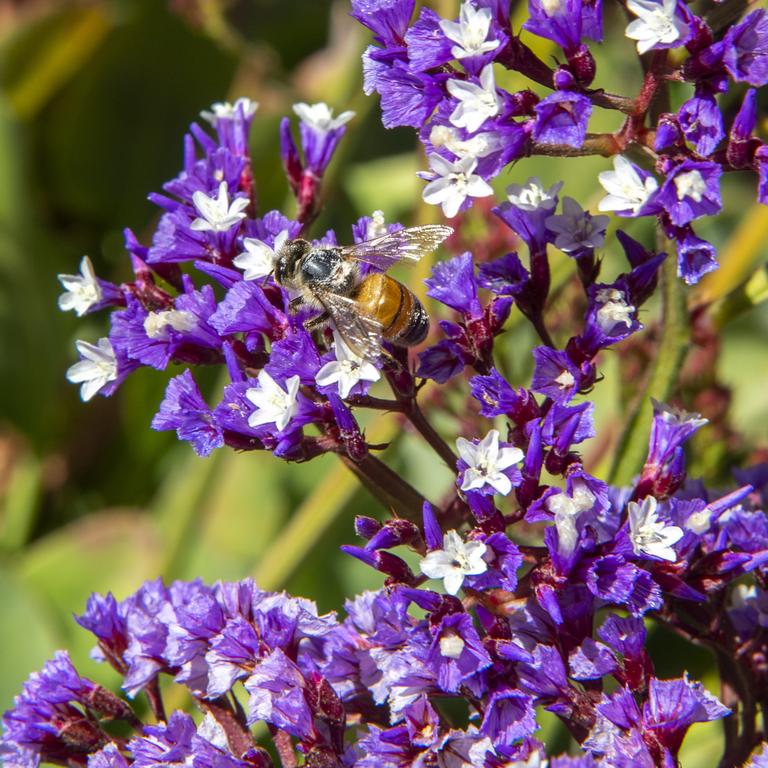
x: 532, y: 584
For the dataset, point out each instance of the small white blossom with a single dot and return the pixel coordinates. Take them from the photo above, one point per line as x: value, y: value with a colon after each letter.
x: 377, y: 226
x: 347, y: 370
x: 565, y: 380
x: 476, y: 102
x: 451, y: 646
x: 320, y: 116
x: 566, y: 509
x: 532, y: 196
x: 454, y: 561
x: 96, y: 369
x: 274, y: 405
x: 690, y: 184
x: 627, y: 190
x: 224, y: 110
x: 649, y: 535
x: 614, y: 309
x: 258, y: 259
x: 577, y: 229
x: 699, y: 522
x: 657, y: 23
x: 156, y: 324
x: 470, y: 32
x: 479, y: 145
x: 216, y: 213
x: 486, y: 463
x: 453, y: 183
x: 81, y: 291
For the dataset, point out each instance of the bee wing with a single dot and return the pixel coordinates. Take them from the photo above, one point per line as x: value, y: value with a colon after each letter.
x: 404, y: 245
x: 361, y: 334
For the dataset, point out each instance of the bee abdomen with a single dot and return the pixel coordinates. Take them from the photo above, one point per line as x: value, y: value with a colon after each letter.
x: 418, y: 325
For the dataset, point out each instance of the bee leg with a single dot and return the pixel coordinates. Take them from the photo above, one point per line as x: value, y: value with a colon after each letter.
x: 294, y: 304
x: 317, y: 322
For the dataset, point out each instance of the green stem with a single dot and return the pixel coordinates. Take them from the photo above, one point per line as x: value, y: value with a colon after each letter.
x: 661, y: 382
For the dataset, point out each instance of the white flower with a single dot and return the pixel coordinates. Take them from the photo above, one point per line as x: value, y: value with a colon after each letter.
x: 479, y: 145
x: 476, y: 102
x: 532, y: 196
x: 81, y: 291
x: 156, y: 324
x: 377, y: 226
x: 657, y: 23
x: 451, y: 645
x: 566, y: 509
x: 259, y: 259
x: 690, y: 184
x: 649, y: 535
x: 320, y: 116
x: 454, y: 561
x: 470, y: 32
x: 627, y: 191
x: 97, y: 368
x: 347, y: 370
x: 274, y: 405
x: 453, y: 183
x: 614, y: 309
x: 224, y: 110
x: 216, y: 213
x: 576, y: 228
x: 699, y: 522
x: 486, y: 463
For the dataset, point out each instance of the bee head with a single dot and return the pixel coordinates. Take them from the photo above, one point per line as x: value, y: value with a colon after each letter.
x: 289, y: 260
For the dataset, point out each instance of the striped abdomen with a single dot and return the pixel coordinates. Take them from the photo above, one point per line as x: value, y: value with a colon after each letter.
x: 402, y: 316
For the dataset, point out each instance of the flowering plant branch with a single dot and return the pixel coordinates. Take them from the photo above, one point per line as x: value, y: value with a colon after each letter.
x: 527, y: 584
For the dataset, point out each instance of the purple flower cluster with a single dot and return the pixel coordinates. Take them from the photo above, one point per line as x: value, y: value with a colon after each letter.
x: 439, y: 76
x: 226, y: 309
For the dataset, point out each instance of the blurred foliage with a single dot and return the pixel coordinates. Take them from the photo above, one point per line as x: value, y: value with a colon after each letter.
x: 95, y: 96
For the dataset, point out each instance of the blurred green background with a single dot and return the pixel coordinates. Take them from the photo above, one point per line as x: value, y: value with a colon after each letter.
x: 94, y: 100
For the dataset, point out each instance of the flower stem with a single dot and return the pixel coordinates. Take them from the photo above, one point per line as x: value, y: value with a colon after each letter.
x: 632, y: 447
x: 428, y: 432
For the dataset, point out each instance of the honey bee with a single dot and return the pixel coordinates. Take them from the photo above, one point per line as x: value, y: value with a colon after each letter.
x: 365, y: 309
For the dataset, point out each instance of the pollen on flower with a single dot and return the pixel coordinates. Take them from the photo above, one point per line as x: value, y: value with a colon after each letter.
x: 156, y: 324
x: 452, y: 645
x: 565, y: 380
x: 690, y: 184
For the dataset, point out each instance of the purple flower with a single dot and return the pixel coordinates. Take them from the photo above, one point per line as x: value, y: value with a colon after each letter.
x: 508, y: 717
x: 695, y: 257
x: 559, y: 22
x: 277, y: 696
x: 746, y: 49
x: 184, y: 410
x: 456, y: 652
x: 555, y: 375
x: 407, y: 98
x: 428, y: 47
x: 691, y: 190
x: 320, y: 134
x: 702, y: 123
x: 388, y: 19
x: 454, y: 284
x: 562, y: 118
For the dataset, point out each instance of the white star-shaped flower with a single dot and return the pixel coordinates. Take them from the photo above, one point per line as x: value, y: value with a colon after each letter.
x: 649, y: 535
x: 454, y: 561
x: 479, y: 145
x: 320, y: 116
x: 486, y: 463
x: 347, y: 370
x: 690, y: 184
x: 156, y: 324
x: 453, y: 183
x: 377, y: 226
x: 657, y: 24
x: 258, y: 259
x: 470, y: 32
x: 566, y: 509
x: 627, y: 190
x: 96, y: 369
x: 274, y: 405
x: 216, y: 213
x: 81, y: 291
x: 224, y: 110
x: 476, y: 102
x: 577, y: 229
x: 614, y: 309
x: 532, y: 196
